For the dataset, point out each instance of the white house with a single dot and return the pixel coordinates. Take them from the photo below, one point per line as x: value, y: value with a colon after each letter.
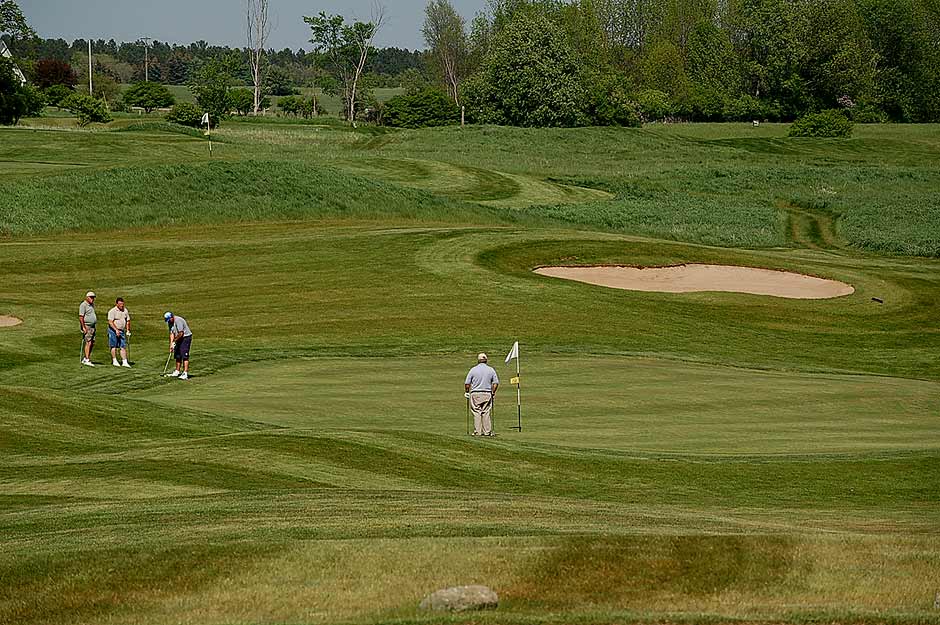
x: 5, y: 53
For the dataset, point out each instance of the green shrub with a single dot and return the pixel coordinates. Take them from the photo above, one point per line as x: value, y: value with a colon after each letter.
x: 87, y: 108
x: 430, y: 107
x: 832, y: 123
x: 744, y: 108
x: 56, y: 93
x: 148, y: 96
x: 34, y: 99
x: 707, y: 104
x: 654, y: 105
x: 290, y: 104
x: 867, y: 114
x: 185, y: 114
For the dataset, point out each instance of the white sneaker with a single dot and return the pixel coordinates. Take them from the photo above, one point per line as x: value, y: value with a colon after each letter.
x: 175, y: 374
x: 185, y: 376
x: 126, y: 364
x: 115, y: 362
x: 88, y: 363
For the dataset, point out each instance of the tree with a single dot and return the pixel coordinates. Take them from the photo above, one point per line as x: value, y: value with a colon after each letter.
x: 445, y: 32
x: 49, y: 72
x: 149, y: 96
x: 13, y: 104
x: 209, y: 83
x: 289, y: 104
x: 259, y: 28
x: 12, y: 21
x: 430, y: 107
x: 346, y: 49
x: 88, y: 109
x: 278, y: 81
x: 56, y: 93
x: 530, y: 77
x: 242, y: 100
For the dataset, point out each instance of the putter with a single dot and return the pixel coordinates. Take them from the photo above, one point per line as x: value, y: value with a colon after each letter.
x: 81, y: 351
x: 167, y: 365
x: 468, y: 413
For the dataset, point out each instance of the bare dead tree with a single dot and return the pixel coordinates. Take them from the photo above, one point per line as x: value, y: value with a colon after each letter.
x: 259, y: 29
x: 361, y: 36
x: 445, y: 32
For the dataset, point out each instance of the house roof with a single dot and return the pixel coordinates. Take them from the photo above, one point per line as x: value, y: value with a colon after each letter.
x: 5, y: 53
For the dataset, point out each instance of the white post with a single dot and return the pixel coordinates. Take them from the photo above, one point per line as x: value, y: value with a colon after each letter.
x: 91, y: 87
x: 146, y: 41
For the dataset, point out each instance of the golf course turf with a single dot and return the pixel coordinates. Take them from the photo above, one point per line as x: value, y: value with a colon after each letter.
x: 685, y: 458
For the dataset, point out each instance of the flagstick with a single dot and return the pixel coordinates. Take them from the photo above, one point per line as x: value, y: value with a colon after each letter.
x: 519, y: 393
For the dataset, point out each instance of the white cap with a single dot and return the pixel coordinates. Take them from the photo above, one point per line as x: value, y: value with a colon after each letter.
x: 90, y: 294
x: 482, y: 358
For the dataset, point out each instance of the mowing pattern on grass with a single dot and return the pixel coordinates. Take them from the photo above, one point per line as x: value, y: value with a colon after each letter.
x: 692, y: 458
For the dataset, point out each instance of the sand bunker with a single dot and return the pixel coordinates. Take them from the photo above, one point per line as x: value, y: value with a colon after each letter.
x: 9, y: 322
x: 698, y: 278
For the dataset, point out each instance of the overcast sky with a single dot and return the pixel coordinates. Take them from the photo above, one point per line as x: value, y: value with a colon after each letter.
x: 218, y: 21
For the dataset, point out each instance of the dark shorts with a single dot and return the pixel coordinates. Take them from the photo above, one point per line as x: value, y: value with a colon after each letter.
x: 182, y: 348
x: 115, y: 341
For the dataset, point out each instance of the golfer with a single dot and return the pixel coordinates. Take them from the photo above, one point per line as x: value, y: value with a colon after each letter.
x: 181, y: 339
x: 119, y: 328
x: 480, y: 386
x: 88, y: 319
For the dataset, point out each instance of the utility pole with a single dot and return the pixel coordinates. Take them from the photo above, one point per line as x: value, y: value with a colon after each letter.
x: 91, y: 86
x: 146, y: 41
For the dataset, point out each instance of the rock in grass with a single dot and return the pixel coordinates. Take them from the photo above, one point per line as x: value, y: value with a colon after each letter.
x: 460, y: 599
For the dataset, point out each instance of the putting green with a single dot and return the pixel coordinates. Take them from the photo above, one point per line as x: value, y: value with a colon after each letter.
x: 605, y: 402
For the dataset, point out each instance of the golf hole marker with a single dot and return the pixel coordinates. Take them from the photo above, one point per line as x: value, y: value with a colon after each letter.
x: 704, y: 278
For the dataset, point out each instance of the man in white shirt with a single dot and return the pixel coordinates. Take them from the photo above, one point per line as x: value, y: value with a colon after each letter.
x: 480, y: 386
x: 119, y: 328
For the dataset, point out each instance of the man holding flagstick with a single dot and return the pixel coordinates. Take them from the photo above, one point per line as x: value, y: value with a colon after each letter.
x: 517, y: 381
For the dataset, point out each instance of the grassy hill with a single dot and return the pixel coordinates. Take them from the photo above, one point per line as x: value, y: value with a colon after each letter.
x: 705, y: 457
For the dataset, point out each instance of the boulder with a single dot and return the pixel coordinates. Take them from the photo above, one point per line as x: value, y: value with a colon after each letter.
x: 460, y: 599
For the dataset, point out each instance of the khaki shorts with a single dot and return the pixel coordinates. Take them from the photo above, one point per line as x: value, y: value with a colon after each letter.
x: 89, y: 334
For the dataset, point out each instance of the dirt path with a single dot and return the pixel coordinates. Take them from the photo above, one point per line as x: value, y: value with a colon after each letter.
x: 9, y: 322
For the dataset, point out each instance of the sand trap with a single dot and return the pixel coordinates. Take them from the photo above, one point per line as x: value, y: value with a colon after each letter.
x: 698, y: 278
x: 9, y: 322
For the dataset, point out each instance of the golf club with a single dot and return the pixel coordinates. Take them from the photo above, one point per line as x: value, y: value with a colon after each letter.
x: 467, y: 395
x: 81, y: 352
x: 167, y: 365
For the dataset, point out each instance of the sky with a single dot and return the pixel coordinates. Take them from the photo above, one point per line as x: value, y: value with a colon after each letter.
x: 220, y: 22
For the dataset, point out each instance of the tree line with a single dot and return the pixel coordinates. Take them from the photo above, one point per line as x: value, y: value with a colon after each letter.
x: 551, y: 62
x: 561, y: 62
x: 175, y: 64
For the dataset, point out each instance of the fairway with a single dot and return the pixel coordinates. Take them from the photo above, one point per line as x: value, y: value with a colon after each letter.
x: 701, y: 457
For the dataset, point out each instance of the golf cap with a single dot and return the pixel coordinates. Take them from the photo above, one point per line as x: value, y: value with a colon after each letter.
x: 168, y: 316
x: 90, y: 294
x: 482, y: 358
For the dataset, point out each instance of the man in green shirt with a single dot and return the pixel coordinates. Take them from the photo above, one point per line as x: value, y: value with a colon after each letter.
x: 88, y: 319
